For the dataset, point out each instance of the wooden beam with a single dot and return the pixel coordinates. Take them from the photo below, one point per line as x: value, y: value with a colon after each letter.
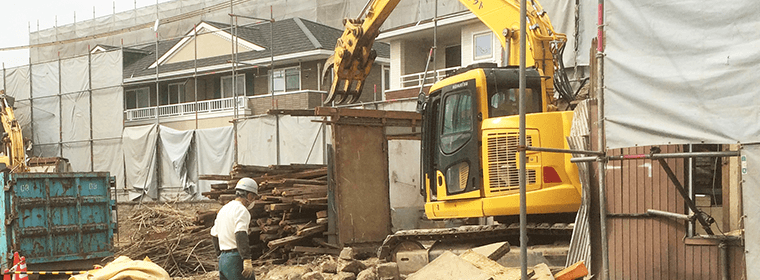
x: 364, y: 113
x: 312, y: 230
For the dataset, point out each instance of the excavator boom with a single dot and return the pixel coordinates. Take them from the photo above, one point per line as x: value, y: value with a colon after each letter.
x: 353, y: 58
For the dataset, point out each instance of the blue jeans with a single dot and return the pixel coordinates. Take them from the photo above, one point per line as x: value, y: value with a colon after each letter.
x: 231, y: 266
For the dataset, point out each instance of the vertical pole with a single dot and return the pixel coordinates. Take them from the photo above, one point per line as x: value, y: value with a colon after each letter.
x: 89, y: 86
x: 601, y: 141
x: 60, y: 107
x: 195, y: 72
x: 271, y: 58
x: 31, y: 101
x: 435, y: 45
x: 158, y: 127
x: 690, y: 185
x: 522, y: 173
x: 233, y: 23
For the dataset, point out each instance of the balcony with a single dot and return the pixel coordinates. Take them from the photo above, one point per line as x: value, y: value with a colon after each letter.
x: 415, y: 80
x: 187, y: 108
x: 259, y: 104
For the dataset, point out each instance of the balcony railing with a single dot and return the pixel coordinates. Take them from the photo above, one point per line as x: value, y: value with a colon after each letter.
x: 415, y: 79
x: 205, y: 106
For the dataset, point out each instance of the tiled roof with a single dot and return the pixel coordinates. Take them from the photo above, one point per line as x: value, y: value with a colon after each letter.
x: 292, y: 36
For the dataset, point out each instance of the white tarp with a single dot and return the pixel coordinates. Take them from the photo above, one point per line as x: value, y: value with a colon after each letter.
x: 301, y: 140
x: 75, y: 117
x: 139, y: 145
x: 107, y: 69
x: 46, y: 122
x: 679, y: 72
x: 75, y: 74
x: 257, y: 141
x: 107, y: 124
x: 176, y: 182
x: 78, y: 154
x: 109, y: 156
x: 750, y: 154
x: 215, y: 153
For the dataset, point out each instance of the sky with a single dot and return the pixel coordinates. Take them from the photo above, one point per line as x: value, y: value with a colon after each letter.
x: 19, y: 15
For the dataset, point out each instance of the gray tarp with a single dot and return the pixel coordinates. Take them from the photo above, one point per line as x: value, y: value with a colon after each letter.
x: 680, y: 72
x: 176, y: 179
x: 257, y: 141
x: 750, y: 193
x: 215, y: 153
x: 139, y: 145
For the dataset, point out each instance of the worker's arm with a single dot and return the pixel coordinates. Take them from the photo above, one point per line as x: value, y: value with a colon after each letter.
x: 241, y: 237
x: 215, y: 240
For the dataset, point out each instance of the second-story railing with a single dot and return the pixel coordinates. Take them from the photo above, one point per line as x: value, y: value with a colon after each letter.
x: 214, y: 105
x: 415, y: 79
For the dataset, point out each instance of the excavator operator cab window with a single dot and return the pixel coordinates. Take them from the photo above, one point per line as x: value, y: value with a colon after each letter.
x: 505, y: 103
x: 457, y: 121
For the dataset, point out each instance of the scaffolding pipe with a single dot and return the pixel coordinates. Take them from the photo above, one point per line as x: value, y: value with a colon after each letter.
x: 724, y: 260
x: 601, y: 162
x: 669, y: 214
x: 522, y: 143
x: 566, y: 151
x: 676, y: 155
x: 89, y: 85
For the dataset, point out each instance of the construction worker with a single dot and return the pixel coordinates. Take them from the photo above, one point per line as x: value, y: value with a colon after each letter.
x: 230, y: 233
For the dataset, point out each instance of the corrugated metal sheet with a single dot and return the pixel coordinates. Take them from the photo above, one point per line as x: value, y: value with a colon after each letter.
x: 649, y: 247
x: 580, y: 245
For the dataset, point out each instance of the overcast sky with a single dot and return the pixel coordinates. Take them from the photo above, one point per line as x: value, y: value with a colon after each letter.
x: 19, y: 15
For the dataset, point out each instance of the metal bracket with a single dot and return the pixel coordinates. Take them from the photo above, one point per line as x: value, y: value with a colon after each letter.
x: 698, y: 213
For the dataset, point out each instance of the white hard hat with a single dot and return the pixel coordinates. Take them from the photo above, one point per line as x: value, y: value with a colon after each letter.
x: 247, y: 184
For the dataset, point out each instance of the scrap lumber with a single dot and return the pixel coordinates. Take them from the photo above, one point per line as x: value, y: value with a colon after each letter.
x: 291, y: 208
x: 574, y: 271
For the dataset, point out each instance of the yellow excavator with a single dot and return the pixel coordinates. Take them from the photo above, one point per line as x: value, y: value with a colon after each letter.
x: 13, y: 155
x: 470, y: 125
x: 14, y: 146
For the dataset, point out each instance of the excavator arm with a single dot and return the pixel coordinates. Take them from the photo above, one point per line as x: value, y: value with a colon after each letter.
x: 12, y: 138
x: 353, y: 58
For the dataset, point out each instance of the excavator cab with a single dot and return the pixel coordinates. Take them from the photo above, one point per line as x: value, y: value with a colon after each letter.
x: 469, y: 147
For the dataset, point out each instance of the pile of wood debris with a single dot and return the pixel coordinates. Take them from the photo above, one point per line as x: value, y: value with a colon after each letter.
x: 171, y: 239
x: 291, y: 214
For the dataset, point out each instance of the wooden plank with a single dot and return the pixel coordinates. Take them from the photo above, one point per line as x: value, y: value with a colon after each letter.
x: 316, y: 250
x: 291, y: 112
x: 322, y: 214
x: 312, y: 230
x: 627, y: 189
x: 284, y: 241
x: 318, y: 190
x: 214, y: 177
x: 641, y: 237
x: 363, y: 113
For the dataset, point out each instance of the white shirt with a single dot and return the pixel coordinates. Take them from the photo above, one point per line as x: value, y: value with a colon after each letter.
x: 233, y: 217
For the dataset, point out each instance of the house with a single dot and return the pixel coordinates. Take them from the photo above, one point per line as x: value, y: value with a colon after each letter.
x: 188, y: 82
x: 462, y: 40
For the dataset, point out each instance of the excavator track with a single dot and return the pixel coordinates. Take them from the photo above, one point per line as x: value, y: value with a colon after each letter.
x: 559, y: 231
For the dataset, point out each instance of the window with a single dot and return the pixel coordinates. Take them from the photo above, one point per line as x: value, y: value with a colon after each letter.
x: 174, y: 94
x: 386, y: 78
x: 239, y: 85
x: 137, y: 98
x: 457, y: 121
x: 505, y: 102
x: 288, y: 79
x: 482, y: 46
